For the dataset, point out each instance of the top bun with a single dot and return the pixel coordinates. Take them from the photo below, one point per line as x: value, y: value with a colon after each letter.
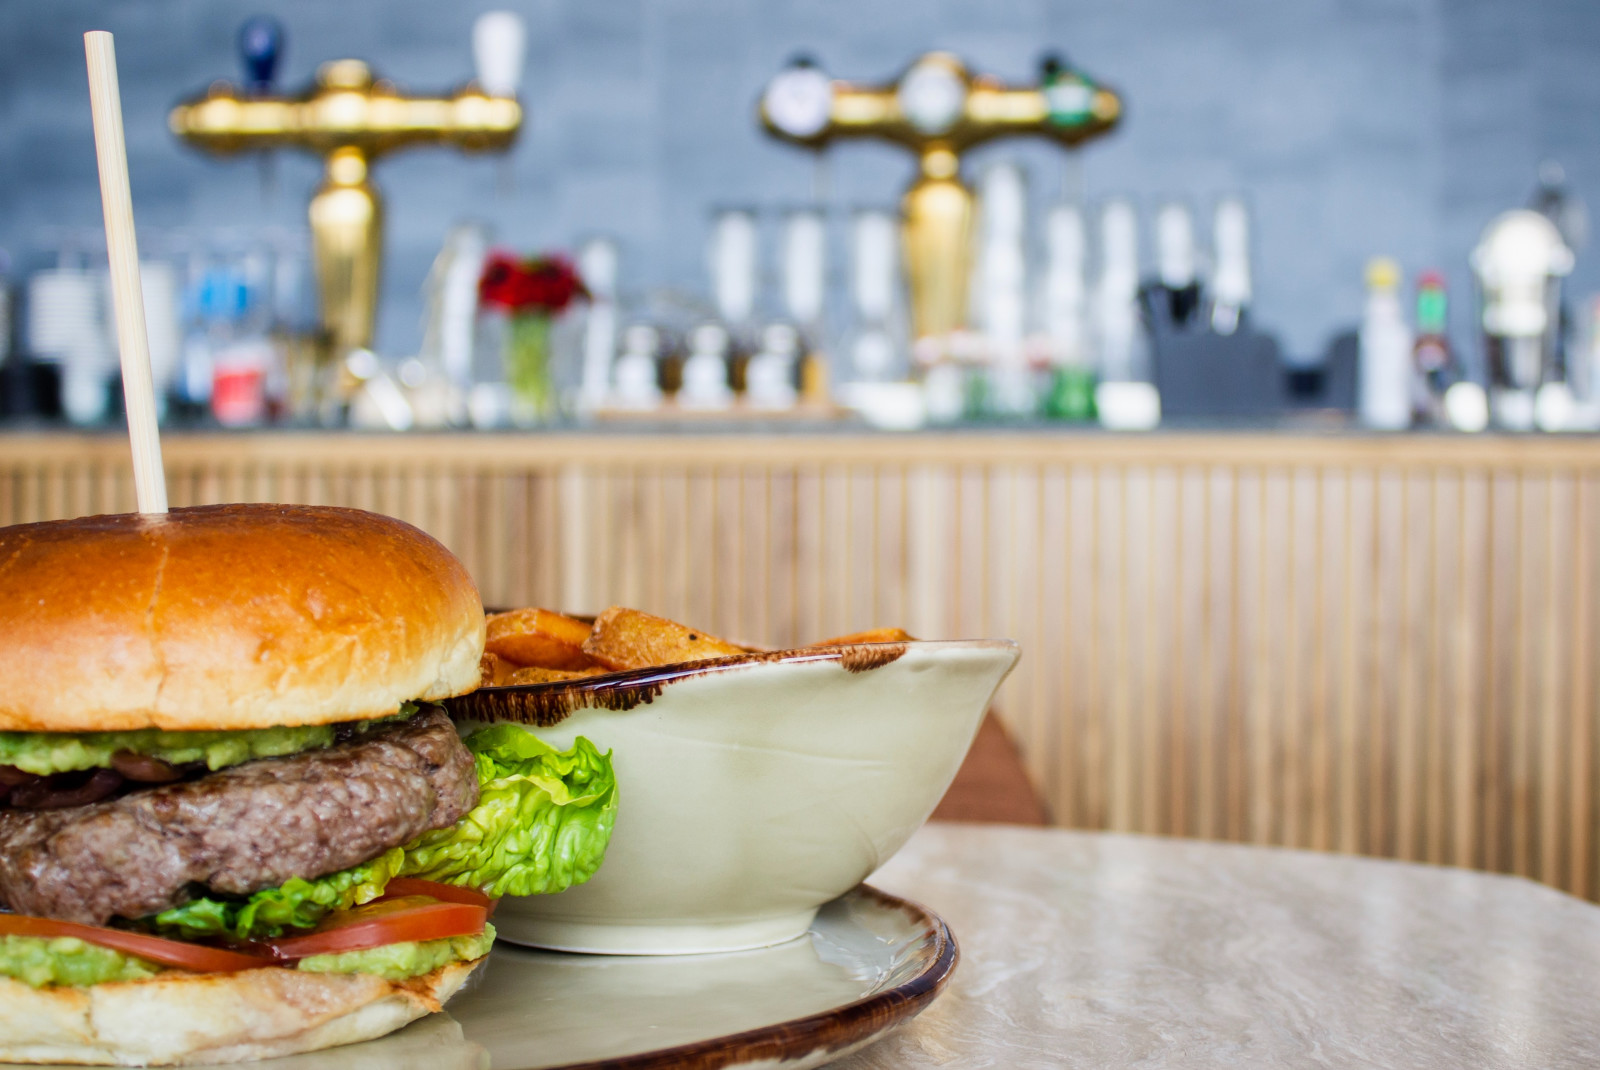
x: 229, y: 617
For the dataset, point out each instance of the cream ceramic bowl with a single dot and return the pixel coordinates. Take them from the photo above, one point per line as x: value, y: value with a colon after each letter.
x: 750, y: 790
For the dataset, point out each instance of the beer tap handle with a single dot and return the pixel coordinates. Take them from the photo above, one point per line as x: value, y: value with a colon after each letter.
x: 498, y: 41
x: 498, y: 38
x: 260, y: 48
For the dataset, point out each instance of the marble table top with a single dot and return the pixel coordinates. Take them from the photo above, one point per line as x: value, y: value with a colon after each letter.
x: 1097, y: 950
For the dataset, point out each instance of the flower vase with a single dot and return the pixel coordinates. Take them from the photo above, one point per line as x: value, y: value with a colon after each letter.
x: 527, y: 366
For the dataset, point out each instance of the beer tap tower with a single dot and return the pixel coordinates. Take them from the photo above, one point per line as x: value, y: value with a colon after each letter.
x: 349, y: 117
x: 938, y: 110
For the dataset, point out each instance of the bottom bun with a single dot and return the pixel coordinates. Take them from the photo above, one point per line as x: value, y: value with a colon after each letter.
x: 185, y: 1019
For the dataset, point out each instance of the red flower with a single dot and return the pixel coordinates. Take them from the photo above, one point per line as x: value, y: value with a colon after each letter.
x: 544, y: 284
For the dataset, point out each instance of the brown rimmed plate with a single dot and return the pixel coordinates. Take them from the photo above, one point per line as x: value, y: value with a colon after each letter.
x: 869, y: 963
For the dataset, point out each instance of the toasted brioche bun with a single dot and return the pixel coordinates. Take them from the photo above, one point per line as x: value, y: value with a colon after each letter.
x: 229, y: 617
x: 213, y: 1018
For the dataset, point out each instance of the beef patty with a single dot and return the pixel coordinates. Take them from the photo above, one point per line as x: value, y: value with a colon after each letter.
x: 240, y: 830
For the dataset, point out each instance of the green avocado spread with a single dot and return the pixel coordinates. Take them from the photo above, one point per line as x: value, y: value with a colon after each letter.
x: 396, y: 962
x: 64, y: 960
x: 44, y: 753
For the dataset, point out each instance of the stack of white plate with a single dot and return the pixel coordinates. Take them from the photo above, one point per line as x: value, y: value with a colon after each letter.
x: 64, y: 315
x: 67, y: 324
x: 71, y: 322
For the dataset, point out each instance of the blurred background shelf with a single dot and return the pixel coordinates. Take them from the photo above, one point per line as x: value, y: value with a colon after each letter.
x: 1364, y: 643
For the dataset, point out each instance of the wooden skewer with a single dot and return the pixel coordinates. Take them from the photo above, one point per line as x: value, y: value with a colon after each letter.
x: 122, y: 247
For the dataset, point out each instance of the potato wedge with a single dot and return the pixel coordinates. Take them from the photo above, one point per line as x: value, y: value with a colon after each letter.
x: 493, y: 669
x: 536, y: 675
x: 872, y: 635
x: 540, y: 638
x: 628, y: 639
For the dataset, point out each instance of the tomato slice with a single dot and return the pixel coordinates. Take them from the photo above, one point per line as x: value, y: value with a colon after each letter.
x: 445, y: 893
x: 195, y: 957
x: 386, y: 921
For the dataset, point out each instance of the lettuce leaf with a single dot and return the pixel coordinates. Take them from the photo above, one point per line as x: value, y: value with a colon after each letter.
x: 294, y: 904
x: 542, y: 821
x: 541, y: 825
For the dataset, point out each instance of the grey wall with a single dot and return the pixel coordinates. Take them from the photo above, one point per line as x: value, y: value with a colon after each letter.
x: 1356, y: 127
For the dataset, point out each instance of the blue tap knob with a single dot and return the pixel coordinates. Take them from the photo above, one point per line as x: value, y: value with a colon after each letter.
x: 260, y: 47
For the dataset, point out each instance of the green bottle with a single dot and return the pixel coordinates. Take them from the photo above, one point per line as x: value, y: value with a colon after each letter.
x: 1071, y: 394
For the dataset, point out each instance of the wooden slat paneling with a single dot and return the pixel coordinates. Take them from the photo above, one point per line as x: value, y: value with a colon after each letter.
x: 1382, y: 645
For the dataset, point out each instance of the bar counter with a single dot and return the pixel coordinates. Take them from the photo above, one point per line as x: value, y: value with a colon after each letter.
x: 1370, y: 644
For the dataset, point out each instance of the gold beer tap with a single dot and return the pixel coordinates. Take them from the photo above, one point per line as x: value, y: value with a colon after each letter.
x: 938, y: 110
x: 350, y: 118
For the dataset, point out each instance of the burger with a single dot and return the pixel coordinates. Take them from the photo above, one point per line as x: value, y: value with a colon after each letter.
x: 234, y: 820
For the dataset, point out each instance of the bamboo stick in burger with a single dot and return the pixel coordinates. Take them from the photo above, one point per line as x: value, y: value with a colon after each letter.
x: 122, y: 248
